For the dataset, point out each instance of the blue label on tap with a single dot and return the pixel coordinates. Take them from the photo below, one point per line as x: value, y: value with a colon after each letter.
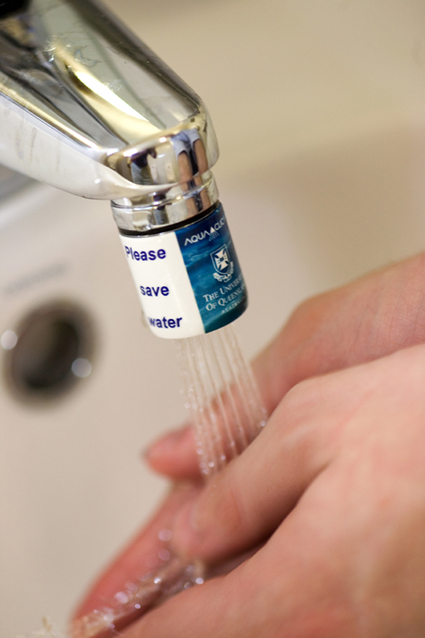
x: 213, y: 269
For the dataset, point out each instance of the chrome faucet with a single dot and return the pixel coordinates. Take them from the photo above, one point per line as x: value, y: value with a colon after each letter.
x: 88, y: 108
x: 85, y: 106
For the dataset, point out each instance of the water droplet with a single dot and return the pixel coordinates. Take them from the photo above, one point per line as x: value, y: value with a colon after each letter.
x: 8, y: 340
x: 121, y: 597
x: 81, y: 368
x: 164, y: 554
x: 164, y: 535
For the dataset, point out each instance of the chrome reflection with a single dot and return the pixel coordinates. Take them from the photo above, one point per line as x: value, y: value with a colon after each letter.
x: 87, y: 107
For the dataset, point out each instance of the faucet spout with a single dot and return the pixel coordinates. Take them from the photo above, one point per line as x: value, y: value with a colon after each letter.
x: 87, y: 107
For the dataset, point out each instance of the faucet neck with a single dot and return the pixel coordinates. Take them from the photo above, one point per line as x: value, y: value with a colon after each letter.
x: 160, y: 211
x: 88, y: 108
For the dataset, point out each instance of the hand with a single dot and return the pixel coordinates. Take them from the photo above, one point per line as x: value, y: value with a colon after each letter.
x: 335, y: 486
x: 362, y: 321
x: 370, y: 318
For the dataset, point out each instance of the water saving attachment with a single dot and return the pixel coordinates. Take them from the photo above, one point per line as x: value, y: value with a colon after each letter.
x: 88, y: 108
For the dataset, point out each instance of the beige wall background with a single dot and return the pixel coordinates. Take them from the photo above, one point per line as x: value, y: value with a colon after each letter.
x: 319, y: 107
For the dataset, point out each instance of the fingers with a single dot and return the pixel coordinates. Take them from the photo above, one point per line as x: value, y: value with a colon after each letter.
x: 174, y: 455
x: 368, y: 319
x: 287, y: 588
x: 212, y: 609
x: 246, y: 502
x: 222, y: 607
x: 313, y: 423
x: 144, y: 554
x: 359, y: 322
x: 336, y: 564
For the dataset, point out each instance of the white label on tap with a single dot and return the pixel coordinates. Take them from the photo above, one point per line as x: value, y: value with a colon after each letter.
x: 189, y: 280
x: 166, y: 294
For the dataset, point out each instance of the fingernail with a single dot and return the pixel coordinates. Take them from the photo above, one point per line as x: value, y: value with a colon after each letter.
x: 166, y: 444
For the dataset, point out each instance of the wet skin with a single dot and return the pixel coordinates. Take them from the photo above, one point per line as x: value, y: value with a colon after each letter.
x: 334, y: 484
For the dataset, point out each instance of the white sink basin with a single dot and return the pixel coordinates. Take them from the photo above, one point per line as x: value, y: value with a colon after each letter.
x: 318, y: 111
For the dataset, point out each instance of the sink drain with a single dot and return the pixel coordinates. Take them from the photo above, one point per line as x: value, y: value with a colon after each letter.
x: 49, y: 351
